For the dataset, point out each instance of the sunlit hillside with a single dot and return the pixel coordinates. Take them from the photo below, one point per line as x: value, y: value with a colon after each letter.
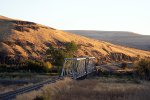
x: 23, y: 39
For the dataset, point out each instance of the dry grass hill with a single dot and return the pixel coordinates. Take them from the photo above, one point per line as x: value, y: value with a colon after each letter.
x: 23, y: 39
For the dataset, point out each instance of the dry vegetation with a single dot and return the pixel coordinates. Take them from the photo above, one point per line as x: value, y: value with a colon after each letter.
x: 7, y: 88
x: 34, y: 42
x: 91, y: 89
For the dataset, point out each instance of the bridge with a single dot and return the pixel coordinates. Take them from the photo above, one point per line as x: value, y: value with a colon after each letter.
x: 78, y: 67
x: 72, y: 67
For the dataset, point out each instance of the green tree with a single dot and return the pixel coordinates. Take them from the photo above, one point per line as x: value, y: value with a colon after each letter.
x: 71, y: 47
x: 57, y: 55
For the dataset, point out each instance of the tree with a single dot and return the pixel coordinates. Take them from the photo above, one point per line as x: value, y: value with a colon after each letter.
x: 57, y: 55
x: 143, y: 68
x: 71, y: 47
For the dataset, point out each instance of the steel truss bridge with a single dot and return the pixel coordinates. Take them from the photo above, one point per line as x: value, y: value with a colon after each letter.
x: 78, y: 67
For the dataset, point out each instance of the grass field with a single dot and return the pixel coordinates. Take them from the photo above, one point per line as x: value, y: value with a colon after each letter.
x: 99, y: 88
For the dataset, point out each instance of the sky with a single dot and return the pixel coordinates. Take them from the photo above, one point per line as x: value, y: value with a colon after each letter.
x: 108, y: 15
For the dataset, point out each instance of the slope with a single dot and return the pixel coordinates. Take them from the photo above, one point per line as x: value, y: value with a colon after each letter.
x: 28, y: 40
x: 129, y: 39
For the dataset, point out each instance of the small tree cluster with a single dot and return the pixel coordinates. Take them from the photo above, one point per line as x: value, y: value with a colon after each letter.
x: 57, y: 55
x: 143, y: 69
x: 38, y: 66
x: 29, y: 66
x: 71, y: 47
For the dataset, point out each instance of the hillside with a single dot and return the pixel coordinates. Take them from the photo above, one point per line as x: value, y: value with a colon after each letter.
x: 128, y: 39
x: 28, y: 40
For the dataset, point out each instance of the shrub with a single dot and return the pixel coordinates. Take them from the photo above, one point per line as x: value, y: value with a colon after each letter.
x: 37, y: 66
x: 143, y: 69
x: 21, y: 28
x: 48, y: 65
x: 71, y: 47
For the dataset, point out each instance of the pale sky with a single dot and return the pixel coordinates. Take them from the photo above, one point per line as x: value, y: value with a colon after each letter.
x: 108, y: 15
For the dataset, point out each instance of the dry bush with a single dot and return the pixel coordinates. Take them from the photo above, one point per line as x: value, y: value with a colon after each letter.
x: 143, y: 68
x: 21, y: 28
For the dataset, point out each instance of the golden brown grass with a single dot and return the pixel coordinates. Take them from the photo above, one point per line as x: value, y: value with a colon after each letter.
x: 92, y: 89
x: 44, y: 35
x: 48, y: 91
